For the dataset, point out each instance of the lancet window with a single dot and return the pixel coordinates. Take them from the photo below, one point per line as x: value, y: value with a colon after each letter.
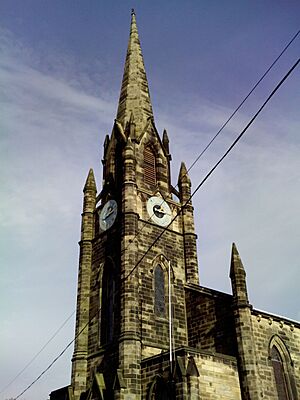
x: 284, y: 375
x: 107, y: 304
x: 279, y: 374
x: 159, y: 292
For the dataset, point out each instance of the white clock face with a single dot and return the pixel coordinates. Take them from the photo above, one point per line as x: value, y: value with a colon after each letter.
x: 108, y: 215
x: 159, y: 211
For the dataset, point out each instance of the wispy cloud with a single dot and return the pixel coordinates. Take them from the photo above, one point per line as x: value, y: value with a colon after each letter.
x: 52, y: 126
x: 252, y: 198
x: 49, y: 127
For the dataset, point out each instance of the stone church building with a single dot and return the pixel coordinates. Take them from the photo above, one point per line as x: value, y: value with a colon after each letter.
x: 145, y: 327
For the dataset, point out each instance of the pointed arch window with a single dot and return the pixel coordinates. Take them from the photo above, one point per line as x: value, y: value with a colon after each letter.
x: 279, y: 374
x: 159, y: 292
x: 107, y: 304
x: 149, y: 166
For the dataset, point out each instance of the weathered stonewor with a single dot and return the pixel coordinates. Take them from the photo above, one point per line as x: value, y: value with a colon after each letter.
x: 145, y: 328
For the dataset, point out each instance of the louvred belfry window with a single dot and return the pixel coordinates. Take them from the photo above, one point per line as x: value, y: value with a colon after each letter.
x: 149, y: 166
x: 279, y: 374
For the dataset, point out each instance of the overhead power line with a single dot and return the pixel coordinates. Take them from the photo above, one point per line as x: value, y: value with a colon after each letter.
x: 174, y: 218
x: 52, y: 363
x: 243, y: 101
x: 218, y: 163
x: 39, y: 352
x: 222, y: 127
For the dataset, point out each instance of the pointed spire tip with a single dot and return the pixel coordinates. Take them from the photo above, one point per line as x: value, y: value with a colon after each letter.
x: 90, y: 181
x: 165, y: 136
x: 237, y: 275
x: 234, y: 249
x: 236, y: 262
x: 134, y: 95
x: 183, y: 173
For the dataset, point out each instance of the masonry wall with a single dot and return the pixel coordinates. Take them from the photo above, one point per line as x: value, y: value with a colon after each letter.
x: 103, y: 357
x: 155, y: 329
x: 210, y: 320
x: 218, y: 378
x: 197, y: 374
x: 268, y: 329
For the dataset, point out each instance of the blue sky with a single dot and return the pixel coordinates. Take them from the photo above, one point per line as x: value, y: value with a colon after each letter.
x: 61, y: 66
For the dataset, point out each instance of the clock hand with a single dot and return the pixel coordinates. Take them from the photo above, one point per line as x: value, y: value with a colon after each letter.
x: 108, y: 214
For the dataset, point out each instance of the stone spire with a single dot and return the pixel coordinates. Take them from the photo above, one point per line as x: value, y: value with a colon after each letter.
x: 134, y: 96
x: 184, y: 184
x: 183, y: 174
x: 238, y: 279
x: 79, y: 360
x: 236, y: 265
x: 90, y: 182
x: 165, y: 141
x: 250, y: 381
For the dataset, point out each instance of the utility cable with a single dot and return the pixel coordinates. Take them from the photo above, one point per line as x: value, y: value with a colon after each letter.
x: 173, y: 219
x: 39, y: 352
x: 55, y: 359
x: 221, y: 129
x: 243, y: 101
x: 214, y: 167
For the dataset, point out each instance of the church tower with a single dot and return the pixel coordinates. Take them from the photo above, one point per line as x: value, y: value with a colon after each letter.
x: 145, y: 328
x: 136, y: 237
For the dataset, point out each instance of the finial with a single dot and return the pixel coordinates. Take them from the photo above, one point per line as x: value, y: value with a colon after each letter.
x: 132, y: 11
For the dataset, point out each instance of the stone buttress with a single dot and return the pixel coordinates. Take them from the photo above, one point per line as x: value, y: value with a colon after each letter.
x: 247, y: 359
x: 79, y: 361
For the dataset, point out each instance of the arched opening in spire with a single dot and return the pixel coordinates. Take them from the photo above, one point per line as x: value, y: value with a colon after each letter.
x: 149, y: 166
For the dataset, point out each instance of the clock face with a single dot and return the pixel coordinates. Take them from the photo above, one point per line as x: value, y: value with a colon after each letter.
x: 159, y: 211
x: 108, y: 215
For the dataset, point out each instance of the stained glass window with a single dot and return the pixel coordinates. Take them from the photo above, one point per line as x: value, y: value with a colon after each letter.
x: 159, y: 288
